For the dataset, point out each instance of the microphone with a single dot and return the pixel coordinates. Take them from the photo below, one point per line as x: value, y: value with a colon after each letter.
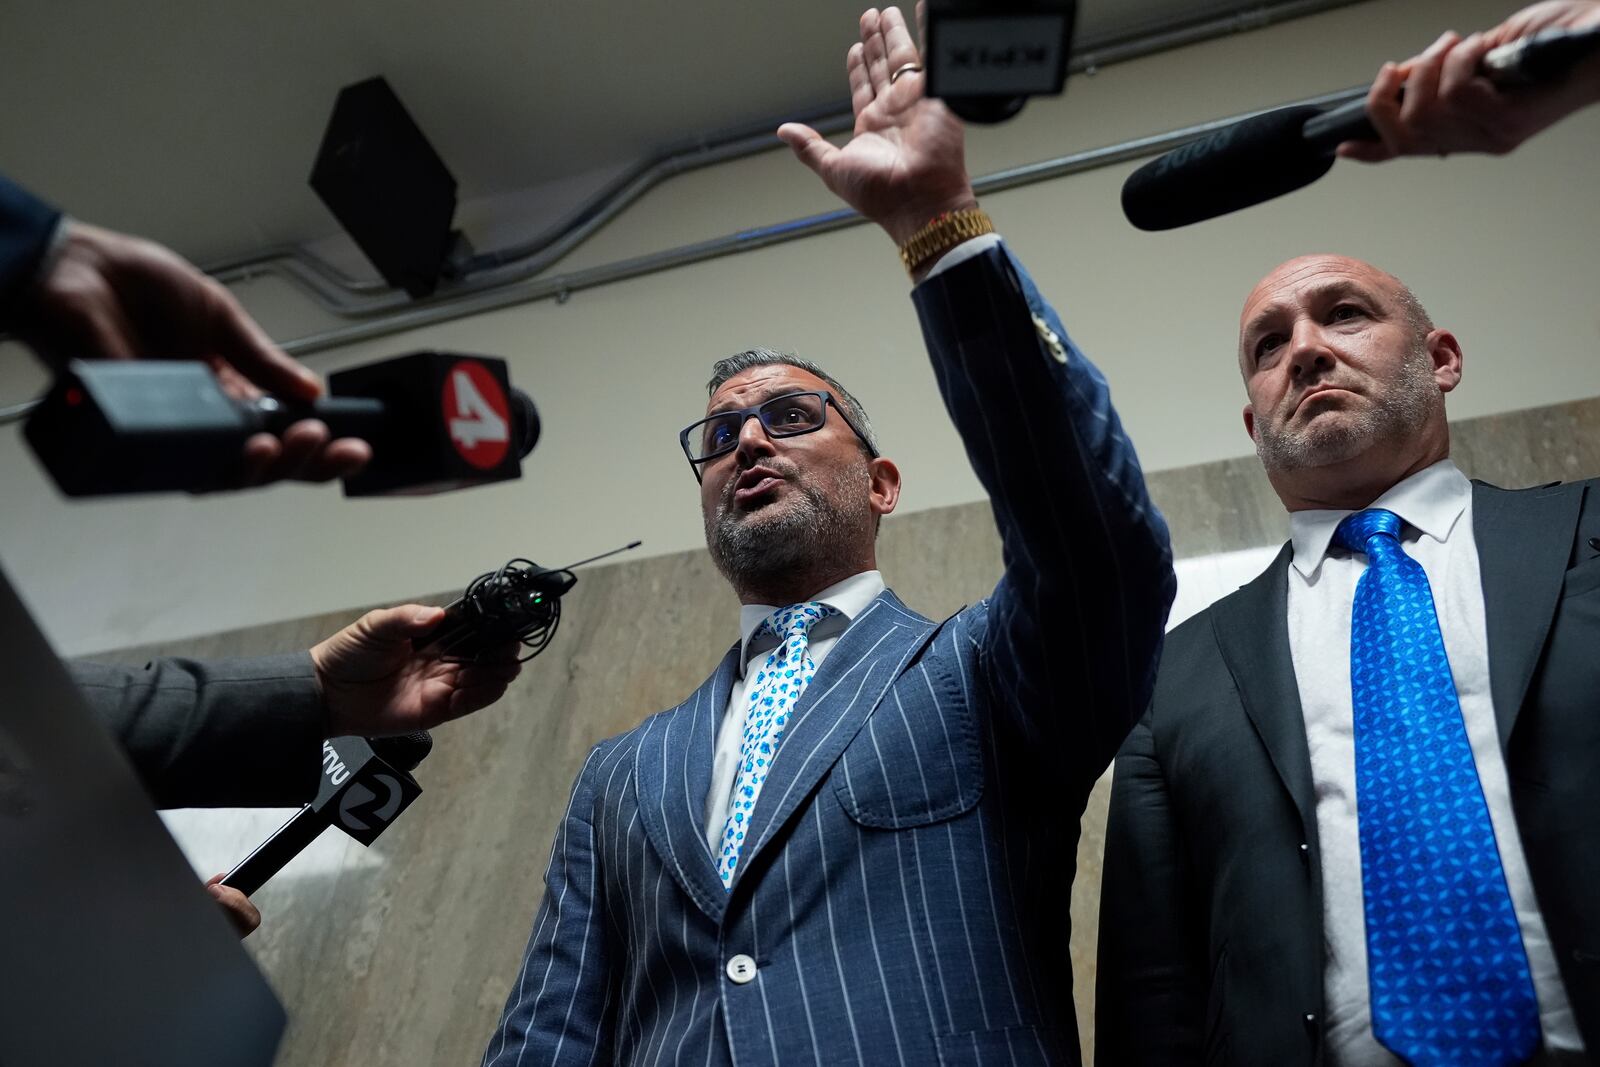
x: 519, y: 602
x: 1277, y: 152
x: 436, y: 422
x: 366, y: 784
x: 985, y: 58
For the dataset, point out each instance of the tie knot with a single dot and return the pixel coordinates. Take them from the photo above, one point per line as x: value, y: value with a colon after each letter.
x: 795, y: 620
x: 1356, y: 530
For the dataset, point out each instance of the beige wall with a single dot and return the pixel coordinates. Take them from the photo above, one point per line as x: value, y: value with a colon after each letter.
x: 1502, y: 250
x: 401, y: 955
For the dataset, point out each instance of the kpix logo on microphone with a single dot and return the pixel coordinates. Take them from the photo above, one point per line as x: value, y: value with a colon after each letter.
x: 477, y: 413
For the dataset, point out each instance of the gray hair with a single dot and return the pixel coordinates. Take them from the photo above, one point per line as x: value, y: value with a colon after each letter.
x: 1417, y: 317
x: 751, y: 358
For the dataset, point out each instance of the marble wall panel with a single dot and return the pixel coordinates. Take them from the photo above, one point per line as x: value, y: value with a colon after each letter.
x: 402, y: 954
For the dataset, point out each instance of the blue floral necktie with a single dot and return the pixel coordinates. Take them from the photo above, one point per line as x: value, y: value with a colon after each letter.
x: 1446, y: 967
x: 771, y: 697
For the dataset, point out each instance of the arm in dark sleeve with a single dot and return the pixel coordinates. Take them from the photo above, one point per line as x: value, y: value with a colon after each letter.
x: 240, y: 732
x: 561, y: 1009
x: 1075, y: 625
x: 1149, y: 994
x: 26, y: 227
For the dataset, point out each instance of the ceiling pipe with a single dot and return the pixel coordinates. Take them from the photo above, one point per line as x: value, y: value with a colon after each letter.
x: 350, y: 297
x: 563, y: 285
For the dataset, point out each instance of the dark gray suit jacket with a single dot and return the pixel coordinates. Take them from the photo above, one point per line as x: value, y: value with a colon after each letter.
x: 1211, y: 935
x: 224, y: 733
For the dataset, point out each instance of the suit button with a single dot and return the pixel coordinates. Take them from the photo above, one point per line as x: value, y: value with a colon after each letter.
x: 1051, y: 339
x: 741, y: 968
x: 1310, y: 1019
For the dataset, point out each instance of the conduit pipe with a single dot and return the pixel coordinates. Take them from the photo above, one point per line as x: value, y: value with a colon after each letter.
x: 350, y: 297
x: 562, y: 285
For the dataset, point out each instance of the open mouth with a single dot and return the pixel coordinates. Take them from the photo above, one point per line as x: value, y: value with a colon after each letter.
x: 756, y: 484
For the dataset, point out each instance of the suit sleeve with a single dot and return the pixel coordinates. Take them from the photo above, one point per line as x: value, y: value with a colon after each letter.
x: 224, y: 733
x: 560, y: 1011
x: 1149, y: 994
x: 26, y: 226
x: 1075, y: 625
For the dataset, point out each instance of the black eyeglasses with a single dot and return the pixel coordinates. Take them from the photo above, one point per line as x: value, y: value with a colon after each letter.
x: 789, y: 415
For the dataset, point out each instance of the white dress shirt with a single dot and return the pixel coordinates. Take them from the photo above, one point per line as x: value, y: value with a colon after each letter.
x: 849, y: 598
x: 1435, y: 506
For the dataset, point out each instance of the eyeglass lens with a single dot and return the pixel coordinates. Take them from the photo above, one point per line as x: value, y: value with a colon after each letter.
x: 782, y: 416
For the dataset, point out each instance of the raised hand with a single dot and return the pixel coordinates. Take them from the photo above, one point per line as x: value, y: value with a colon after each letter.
x: 1449, y: 107
x: 906, y: 161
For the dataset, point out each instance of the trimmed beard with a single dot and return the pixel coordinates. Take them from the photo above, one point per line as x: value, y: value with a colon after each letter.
x: 1393, y: 414
x: 765, y: 547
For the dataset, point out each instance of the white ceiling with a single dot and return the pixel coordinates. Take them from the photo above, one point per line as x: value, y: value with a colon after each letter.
x: 196, y: 121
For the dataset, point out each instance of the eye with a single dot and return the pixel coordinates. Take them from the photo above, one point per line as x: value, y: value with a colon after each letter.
x: 793, y: 415
x: 1344, y: 313
x: 1268, y: 344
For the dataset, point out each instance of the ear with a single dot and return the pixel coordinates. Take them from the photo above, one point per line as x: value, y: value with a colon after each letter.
x: 1445, y: 351
x: 885, y: 485
x: 1250, y: 421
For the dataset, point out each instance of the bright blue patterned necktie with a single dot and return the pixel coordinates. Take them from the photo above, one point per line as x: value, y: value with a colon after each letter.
x: 1445, y: 962
x: 772, y: 696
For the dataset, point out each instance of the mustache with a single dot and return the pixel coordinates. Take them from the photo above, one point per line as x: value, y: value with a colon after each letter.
x: 1291, y: 403
x: 784, y: 469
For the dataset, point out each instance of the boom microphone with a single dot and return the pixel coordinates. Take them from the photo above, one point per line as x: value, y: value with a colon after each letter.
x: 366, y: 784
x: 1277, y: 152
x: 436, y: 421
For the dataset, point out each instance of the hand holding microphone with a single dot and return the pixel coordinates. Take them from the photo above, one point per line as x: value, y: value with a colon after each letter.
x: 1485, y: 94
x: 375, y: 680
x: 1451, y: 101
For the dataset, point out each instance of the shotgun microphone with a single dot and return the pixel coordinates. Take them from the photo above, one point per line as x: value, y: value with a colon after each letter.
x: 1276, y: 152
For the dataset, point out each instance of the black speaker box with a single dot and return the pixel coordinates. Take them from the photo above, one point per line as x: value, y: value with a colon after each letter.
x: 387, y: 186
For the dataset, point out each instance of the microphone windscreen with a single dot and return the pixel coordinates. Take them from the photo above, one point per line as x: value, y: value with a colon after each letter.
x: 403, y: 751
x: 525, y: 420
x: 1251, y: 161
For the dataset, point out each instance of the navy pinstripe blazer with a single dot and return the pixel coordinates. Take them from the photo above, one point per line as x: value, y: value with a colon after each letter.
x: 904, y: 886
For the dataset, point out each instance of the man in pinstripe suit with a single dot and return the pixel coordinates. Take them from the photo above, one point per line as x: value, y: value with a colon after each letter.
x: 893, y: 886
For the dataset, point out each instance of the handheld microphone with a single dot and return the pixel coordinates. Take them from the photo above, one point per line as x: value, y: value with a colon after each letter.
x: 985, y: 58
x: 1277, y: 152
x: 366, y: 784
x: 519, y: 602
x: 435, y: 421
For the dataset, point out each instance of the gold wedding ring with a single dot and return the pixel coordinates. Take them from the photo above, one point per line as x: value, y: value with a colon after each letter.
x: 909, y: 68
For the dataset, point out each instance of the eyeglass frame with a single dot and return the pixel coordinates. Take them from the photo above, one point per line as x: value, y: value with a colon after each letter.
x: 754, y: 412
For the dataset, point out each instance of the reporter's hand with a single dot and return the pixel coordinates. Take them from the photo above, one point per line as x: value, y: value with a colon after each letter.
x: 244, y: 916
x: 906, y: 162
x: 373, y: 682
x: 1449, y: 107
x: 111, y: 296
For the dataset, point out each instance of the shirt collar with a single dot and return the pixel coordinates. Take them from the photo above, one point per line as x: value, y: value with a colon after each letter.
x: 849, y: 598
x: 1431, y: 500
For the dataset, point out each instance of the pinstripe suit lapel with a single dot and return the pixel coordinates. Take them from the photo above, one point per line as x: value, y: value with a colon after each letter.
x: 673, y: 772
x: 847, y: 686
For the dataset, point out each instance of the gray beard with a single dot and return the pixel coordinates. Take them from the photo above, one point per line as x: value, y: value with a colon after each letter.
x: 797, y: 535
x: 1395, y: 414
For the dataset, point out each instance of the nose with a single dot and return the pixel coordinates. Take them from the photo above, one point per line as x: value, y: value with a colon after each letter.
x: 1309, y: 356
x: 754, y: 443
